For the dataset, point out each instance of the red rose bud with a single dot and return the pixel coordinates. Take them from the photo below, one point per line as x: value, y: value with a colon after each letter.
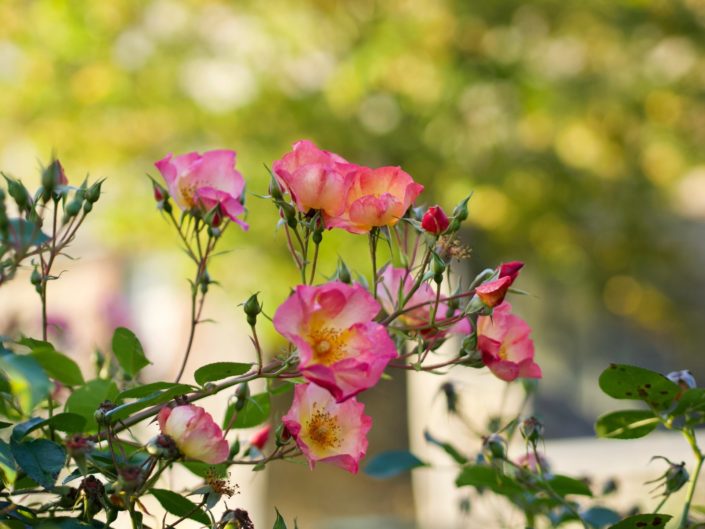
x: 510, y: 269
x: 435, y: 220
x: 260, y: 437
x: 493, y: 292
x: 159, y: 192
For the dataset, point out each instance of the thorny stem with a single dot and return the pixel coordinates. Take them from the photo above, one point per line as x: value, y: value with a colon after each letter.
x: 404, y: 310
x: 314, y: 263
x: 185, y: 516
x: 292, y: 251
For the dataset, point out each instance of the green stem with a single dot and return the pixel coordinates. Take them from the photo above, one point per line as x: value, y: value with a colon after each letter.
x: 689, y: 435
x: 314, y: 263
x: 373, y: 255
x: 658, y: 507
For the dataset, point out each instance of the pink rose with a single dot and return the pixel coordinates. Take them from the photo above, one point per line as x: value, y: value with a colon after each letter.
x: 397, y: 283
x: 377, y: 197
x: 315, y: 179
x: 435, y: 220
x: 195, y: 433
x: 202, y: 182
x: 493, y: 293
x: 327, y: 431
x: 340, y: 347
x: 503, y: 339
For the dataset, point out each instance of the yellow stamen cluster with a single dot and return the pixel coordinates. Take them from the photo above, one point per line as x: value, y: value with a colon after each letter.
x: 328, y: 345
x: 323, y: 429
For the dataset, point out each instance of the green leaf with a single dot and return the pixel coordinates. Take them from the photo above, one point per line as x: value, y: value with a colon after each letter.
x: 690, y: 401
x: 64, y: 422
x: 36, y: 346
x: 59, y: 366
x: 157, y: 397
x: 145, y: 390
x: 203, y: 469
x: 255, y: 412
x: 24, y: 234
x: 85, y: 400
x: 279, y: 523
x: 179, y: 506
x: 642, y: 521
x: 29, y: 383
x: 392, y: 463
x: 8, y: 467
x: 447, y: 448
x: 220, y: 370
x: 128, y: 351
x: 626, y: 424
x: 599, y: 517
x: 42, y: 460
x: 622, y: 381
x: 565, y: 485
x: 484, y: 476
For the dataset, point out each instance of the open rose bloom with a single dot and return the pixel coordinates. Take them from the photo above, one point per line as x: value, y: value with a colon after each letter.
x: 195, y: 433
x: 204, y: 181
x: 340, y: 347
x: 377, y: 197
x: 396, y: 284
x: 328, y: 431
x: 314, y: 178
x: 507, y: 350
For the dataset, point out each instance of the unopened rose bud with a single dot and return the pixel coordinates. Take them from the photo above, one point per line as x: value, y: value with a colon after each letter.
x: 36, y: 277
x: 438, y: 267
x: 684, y: 379
x: 52, y: 177
x: 460, y: 212
x: 242, y: 394
x: 676, y: 477
x: 289, y: 214
x: 73, y: 208
x: 93, y: 192
x: 495, y: 446
x: 435, y: 221
x: 493, y: 293
x: 252, y: 308
x: 260, y: 437
x: 19, y: 194
x: 342, y: 273
x: 159, y: 192
x: 275, y: 190
x: 510, y: 270
x: 531, y: 430
x: 317, y: 236
x: 87, y: 207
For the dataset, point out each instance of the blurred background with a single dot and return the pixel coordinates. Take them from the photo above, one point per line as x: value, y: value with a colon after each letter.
x: 578, y: 126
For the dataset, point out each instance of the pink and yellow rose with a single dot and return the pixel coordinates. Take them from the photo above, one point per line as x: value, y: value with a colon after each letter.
x: 377, y: 197
x: 315, y: 179
x: 327, y: 431
x: 195, y: 433
x: 340, y: 347
x: 504, y: 342
x: 202, y: 182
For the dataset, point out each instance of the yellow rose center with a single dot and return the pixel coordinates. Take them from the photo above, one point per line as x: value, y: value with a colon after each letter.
x: 324, y: 430
x: 328, y: 345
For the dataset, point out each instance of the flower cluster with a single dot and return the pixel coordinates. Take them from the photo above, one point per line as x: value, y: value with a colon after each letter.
x: 344, y: 334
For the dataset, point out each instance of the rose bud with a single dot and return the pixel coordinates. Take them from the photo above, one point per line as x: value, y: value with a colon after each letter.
x: 510, y: 270
x: 260, y: 437
x: 435, y: 221
x: 493, y: 293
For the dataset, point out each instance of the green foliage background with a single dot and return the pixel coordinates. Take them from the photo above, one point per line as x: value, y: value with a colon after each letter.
x: 579, y: 126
